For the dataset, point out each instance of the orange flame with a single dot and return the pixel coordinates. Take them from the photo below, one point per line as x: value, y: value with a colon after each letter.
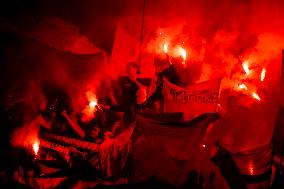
x: 36, y: 147
x: 246, y: 67
x: 251, y: 168
x: 255, y: 96
x: 263, y: 73
x: 243, y: 86
x: 166, y: 48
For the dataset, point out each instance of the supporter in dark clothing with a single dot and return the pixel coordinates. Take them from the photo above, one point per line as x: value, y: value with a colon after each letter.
x: 222, y: 158
x: 128, y: 98
x: 51, y: 119
x: 278, y: 166
x: 171, y: 75
x: 55, y: 123
x: 195, y: 180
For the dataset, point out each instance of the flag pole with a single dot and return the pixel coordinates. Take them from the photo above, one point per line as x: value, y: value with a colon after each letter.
x: 141, y: 36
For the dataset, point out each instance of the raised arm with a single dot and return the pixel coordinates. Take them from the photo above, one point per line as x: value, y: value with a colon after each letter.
x: 42, y: 122
x: 75, y: 126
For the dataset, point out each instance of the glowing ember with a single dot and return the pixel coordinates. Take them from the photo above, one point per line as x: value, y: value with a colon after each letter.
x: 246, y: 67
x: 251, y: 168
x: 183, y: 54
x: 263, y: 73
x: 255, y: 96
x: 36, y: 147
x: 166, y: 48
x: 243, y: 86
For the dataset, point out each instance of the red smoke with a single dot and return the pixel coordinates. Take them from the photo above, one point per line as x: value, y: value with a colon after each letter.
x: 218, y: 37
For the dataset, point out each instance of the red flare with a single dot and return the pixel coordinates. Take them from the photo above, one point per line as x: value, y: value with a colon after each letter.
x: 263, y: 73
x: 36, y: 147
x: 93, y: 104
x: 246, y: 67
x: 183, y: 54
x: 251, y: 168
x: 243, y: 86
x: 166, y: 48
x: 255, y: 96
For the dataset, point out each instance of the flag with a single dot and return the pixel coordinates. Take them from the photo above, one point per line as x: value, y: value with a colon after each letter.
x: 126, y: 48
x: 169, y: 150
x: 192, y: 100
x: 63, y: 36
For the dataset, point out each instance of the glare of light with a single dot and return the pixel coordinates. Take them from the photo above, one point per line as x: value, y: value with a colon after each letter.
x: 263, y: 73
x: 36, y: 147
x: 243, y: 86
x: 246, y: 67
x: 255, y: 96
x: 203, y: 145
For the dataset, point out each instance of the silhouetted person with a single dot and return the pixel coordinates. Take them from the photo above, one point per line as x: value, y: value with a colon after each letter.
x: 129, y: 87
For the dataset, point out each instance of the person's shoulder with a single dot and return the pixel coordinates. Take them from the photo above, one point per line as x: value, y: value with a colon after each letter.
x: 122, y: 79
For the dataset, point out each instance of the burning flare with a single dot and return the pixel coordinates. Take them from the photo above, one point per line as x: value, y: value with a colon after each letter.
x: 263, y: 73
x: 243, y: 86
x: 166, y: 48
x: 183, y: 54
x: 36, y: 147
x: 93, y: 104
x: 255, y: 96
x: 91, y: 107
x: 246, y: 67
